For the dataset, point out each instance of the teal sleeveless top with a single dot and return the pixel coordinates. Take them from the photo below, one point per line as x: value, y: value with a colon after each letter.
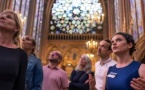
x: 120, y: 78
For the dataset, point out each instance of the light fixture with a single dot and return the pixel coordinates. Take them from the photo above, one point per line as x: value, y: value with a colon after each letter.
x: 23, y: 19
x: 90, y: 55
x: 69, y: 64
x: 91, y: 45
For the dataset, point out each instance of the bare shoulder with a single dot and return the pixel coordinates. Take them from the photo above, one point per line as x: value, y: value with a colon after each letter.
x: 106, y: 71
x: 142, y: 67
x: 142, y: 70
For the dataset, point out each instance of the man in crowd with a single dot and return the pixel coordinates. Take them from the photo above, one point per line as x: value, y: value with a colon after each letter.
x: 54, y: 77
x: 104, y: 51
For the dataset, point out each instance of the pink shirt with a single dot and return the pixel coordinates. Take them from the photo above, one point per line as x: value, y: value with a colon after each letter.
x: 54, y: 79
x: 100, y: 72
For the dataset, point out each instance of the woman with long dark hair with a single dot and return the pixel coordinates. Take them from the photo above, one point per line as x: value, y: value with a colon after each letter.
x: 120, y: 76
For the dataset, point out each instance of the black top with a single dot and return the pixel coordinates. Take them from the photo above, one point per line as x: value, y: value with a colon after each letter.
x: 78, y: 79
x: 13, y: 65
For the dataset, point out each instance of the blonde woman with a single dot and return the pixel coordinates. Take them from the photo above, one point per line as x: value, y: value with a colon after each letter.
x: 13, y: 60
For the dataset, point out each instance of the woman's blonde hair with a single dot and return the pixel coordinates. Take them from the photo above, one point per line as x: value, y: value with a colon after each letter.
x: 16, y: 37
x: 88, y: 67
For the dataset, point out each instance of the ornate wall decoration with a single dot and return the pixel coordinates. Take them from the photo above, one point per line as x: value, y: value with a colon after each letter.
x: 72, y: 56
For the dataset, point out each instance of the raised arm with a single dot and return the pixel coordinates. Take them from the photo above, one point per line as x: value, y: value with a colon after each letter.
x: 79, y: 85
x: 83, y: 86
x: 92, y: 82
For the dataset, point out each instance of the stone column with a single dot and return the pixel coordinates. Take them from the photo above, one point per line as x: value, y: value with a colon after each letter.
x: 31, y: 16
x: 5, y: 4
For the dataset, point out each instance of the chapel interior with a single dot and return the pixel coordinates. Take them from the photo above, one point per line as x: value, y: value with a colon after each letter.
x: 75, y: 27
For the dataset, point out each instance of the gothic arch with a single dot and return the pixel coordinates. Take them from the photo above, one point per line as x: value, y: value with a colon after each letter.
x: 44, y: 40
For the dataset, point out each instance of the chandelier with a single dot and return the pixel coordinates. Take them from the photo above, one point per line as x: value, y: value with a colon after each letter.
x: 90, y: 55
x: 91, y: 45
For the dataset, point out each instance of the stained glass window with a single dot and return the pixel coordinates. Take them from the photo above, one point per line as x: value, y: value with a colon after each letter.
x: 76, y: 17
x: 22, y: 7
x: 38, y: 23
x: 139, y: 18
x: 134, y: 21
x: 16, y: 5
x: 117, y: 16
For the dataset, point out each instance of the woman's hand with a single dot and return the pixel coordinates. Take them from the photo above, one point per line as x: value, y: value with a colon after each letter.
x: 69, y: 81
x: 138, y: 83
x: 92, y: 82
